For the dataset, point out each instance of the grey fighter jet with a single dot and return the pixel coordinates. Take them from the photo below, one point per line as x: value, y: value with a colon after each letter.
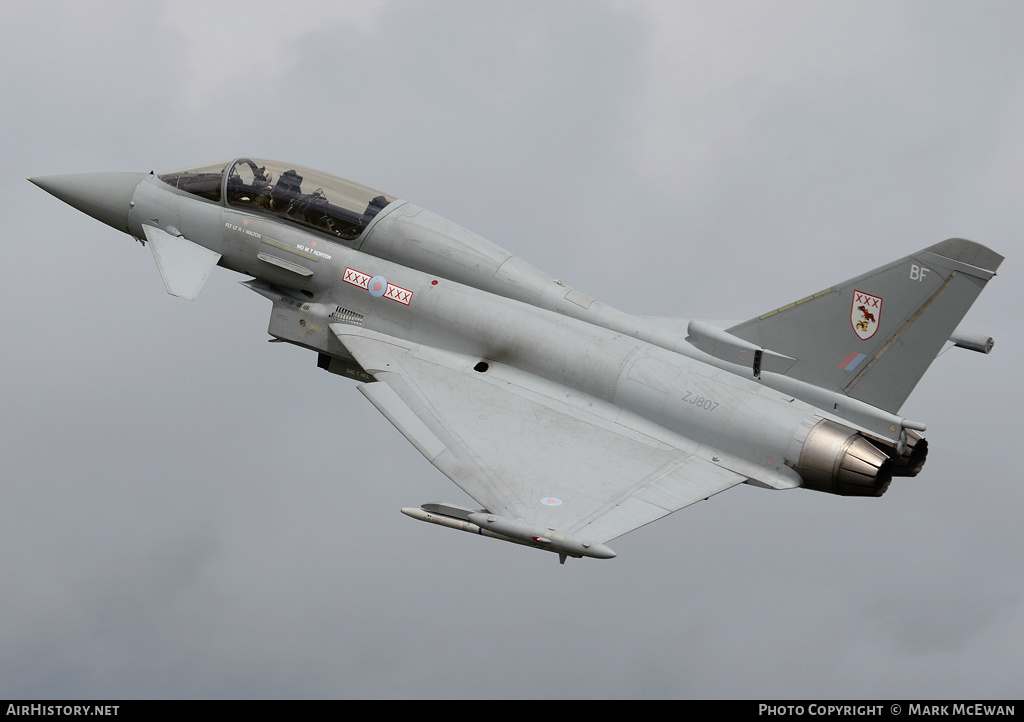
x: 569, y: 422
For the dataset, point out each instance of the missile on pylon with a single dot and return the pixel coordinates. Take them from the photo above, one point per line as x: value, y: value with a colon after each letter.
x: 516, y: 531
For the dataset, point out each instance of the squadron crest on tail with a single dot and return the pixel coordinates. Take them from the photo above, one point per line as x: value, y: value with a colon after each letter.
x: 865, y: 313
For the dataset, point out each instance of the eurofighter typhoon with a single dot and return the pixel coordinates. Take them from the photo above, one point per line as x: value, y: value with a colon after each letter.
x: 569, y: 422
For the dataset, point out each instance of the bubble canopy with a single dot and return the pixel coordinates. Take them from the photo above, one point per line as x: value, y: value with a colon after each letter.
x: 313, y: 199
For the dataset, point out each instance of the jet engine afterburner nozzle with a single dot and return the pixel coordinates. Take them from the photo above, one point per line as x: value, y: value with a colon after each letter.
x: 838, y: 460
x: 911, y: 461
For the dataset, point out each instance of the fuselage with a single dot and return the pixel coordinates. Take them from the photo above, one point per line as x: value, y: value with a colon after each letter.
x: 446, y: 287
x: 343, y: 253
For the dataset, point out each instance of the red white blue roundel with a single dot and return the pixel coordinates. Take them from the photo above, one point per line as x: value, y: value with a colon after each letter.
x: 551, y: 501
x: 377, y: 286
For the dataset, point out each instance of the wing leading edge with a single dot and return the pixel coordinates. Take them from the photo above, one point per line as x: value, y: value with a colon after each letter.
x: 528, y: 449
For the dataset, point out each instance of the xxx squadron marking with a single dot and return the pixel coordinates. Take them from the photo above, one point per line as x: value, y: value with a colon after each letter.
x: 865, y: 313
x: 378, y: 286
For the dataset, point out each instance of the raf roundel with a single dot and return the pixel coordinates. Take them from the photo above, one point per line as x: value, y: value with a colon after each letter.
x: 551, y: 501
x: 378, y: 286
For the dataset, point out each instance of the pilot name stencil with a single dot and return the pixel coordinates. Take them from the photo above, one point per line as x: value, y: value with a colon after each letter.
x: 242, y: 229
x: 313, y: 251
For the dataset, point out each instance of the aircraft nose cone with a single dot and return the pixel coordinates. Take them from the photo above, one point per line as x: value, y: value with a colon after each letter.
x: 104, y: 196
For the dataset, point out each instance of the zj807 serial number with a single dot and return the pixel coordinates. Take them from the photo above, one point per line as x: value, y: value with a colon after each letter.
x: 701, y: 402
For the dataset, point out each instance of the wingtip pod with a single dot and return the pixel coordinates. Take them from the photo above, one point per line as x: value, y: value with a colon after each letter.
x: 516, y: 531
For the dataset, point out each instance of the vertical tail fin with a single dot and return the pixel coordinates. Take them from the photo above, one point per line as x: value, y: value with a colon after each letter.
x: 874, y: 336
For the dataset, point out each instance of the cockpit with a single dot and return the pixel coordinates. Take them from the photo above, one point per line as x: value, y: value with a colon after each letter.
x: 313, y: 199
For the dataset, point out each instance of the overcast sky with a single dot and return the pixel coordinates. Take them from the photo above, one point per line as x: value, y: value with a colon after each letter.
x: 189, y: 511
